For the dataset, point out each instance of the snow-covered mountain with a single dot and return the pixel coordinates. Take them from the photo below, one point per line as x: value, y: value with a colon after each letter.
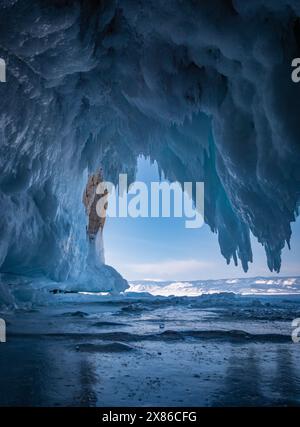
x: 254, y: 285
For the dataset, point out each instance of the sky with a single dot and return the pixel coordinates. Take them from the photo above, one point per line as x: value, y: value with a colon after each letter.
x: 164, y: 249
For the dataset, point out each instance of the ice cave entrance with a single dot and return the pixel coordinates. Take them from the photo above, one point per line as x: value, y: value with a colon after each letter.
x: 163, y: 249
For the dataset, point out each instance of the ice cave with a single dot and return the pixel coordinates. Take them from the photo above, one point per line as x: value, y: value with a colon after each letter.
x: 191, y: 85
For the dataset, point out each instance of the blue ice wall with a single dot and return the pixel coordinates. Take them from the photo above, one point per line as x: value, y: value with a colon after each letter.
x: 202, y: 87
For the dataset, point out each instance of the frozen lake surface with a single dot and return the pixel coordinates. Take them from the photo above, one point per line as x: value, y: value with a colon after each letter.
x: 142, y: 350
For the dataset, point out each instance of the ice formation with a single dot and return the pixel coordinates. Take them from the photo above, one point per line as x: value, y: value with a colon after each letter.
x: 204, y: 88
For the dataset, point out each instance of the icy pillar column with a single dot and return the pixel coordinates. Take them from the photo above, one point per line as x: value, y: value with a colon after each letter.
x: 95, y: 224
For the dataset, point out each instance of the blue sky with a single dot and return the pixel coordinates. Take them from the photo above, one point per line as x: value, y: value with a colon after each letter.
x: 163, y: 249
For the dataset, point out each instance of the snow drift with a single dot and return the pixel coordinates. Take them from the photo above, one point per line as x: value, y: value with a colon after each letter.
x: 203, y: 87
